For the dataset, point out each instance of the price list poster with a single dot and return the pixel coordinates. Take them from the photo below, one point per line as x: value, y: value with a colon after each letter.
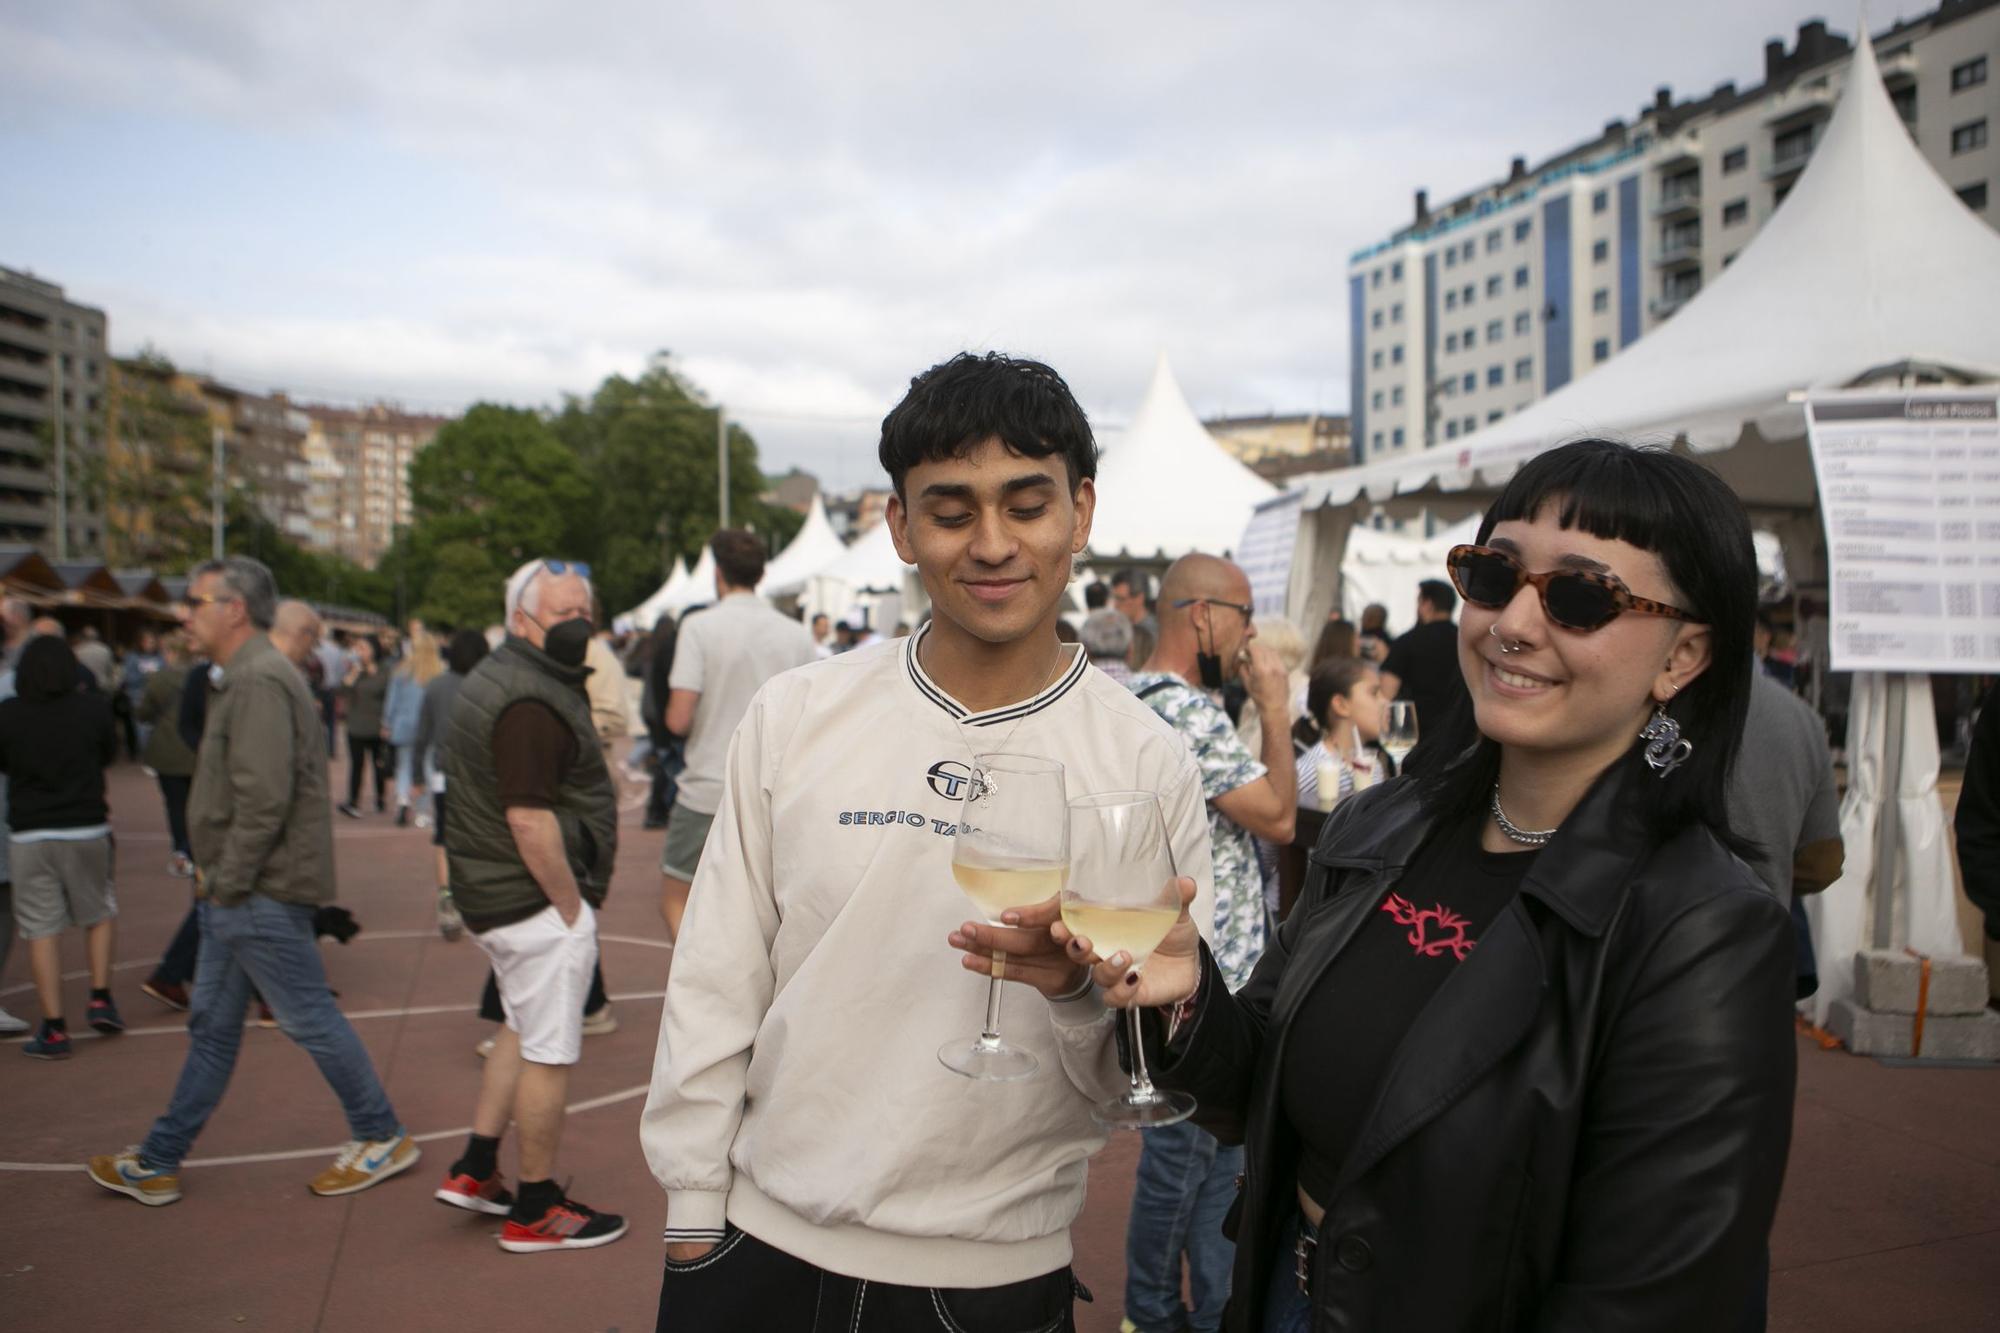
x: 1909, y: 491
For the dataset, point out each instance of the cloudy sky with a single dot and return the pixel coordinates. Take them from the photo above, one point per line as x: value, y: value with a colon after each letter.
x: 439, y: 201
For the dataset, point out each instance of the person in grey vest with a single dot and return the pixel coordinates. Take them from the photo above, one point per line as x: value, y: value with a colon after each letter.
x: 529, y: 848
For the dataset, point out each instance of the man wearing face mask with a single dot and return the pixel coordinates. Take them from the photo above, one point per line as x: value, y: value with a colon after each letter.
x: 1187, y: 1179
x: 529, y: 847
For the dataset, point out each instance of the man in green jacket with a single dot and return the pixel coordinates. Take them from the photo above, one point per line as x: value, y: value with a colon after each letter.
x: 529, y: 847
x: 263, y: 848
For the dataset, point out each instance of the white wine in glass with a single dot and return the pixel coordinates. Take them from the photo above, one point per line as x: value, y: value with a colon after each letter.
x: 1123, y: 896
x: 1011, y: 850
x: 1399, y: 731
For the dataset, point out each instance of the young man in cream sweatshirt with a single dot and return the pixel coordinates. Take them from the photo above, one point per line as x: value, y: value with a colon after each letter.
x: 822, y: 1168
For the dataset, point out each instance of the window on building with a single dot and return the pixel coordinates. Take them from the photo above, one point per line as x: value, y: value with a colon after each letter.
x: 1969, y: 75
x: 1378, y: 439
x: 1396, y: 396
x: 1735, y: 211
x: 1493, y: 239
x: 1467, y: 295
x: 1375, y: 359
x: 1451, y: 342
x: 1521, y: 230
x: 1451, y: 257
x: 1376, y: 401
x: 1471, y: 338
x: 1524, y: 369
x: 1905, y: 100
x: 1375, y: 278
x: 1397, y: 436
x: 1449, y: 388
x: 1493, y: 285
x: 1792, y: 144
x: 1451, y: 430
x: 1495, y: 375
x: 1520, y: 277
x: 1965, y: 138
x: 1396, y: 313
x: 1601, y: 350
x: 1494, y: 416
x: 1600, y: 251
x: 1375, y: 320
x: 1396, y: 271
x: 1396, y: 355
x: 1496, y: 330
x: 1735, y: 160
x: 1974, y: 196
x: 1469, y: 425
x: 1523, y: 323
x: 1470, y: 383
x: 1465, y: 252
x: 1600, y: 300
x: 1451, y: 300
x: 1600, y: 201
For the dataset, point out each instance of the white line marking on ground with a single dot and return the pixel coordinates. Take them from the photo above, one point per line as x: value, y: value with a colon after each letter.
x: 416, y: 1011
x: 295, y: 1154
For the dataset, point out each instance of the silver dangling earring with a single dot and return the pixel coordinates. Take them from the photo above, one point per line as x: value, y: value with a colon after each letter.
x: 1665, y: 749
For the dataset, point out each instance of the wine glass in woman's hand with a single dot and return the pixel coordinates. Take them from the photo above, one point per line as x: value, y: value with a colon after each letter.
x: 1170, y: 972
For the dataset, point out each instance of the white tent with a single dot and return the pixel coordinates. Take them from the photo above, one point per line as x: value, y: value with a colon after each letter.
x: 1166, y: 487
x: 698, y: 587
x: 815, y: 547
x: 1386, y: 567
x: 1871, y: 268
x: 865, y: 575
x: 647, y: 613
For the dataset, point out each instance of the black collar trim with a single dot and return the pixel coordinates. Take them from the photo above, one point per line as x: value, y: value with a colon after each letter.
x: 1063, y: 684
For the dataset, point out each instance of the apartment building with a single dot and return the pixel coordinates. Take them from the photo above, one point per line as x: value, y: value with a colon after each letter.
x: 54, y: 377
x: 1477, y: 308
x: 357, y: 463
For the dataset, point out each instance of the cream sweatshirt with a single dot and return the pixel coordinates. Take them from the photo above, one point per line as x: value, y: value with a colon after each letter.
x: 796, y: 1091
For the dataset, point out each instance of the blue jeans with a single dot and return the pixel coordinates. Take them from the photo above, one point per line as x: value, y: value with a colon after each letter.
x: 269, y: 944
x: 1186, y: 1183
x: 1286, y: 1309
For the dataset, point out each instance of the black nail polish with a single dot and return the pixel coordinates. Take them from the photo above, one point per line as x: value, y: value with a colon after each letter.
x: 1131, y: 978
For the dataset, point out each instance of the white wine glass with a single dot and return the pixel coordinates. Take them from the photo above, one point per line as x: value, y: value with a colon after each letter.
x: 1123, y: 896
x: 1011, y: 850
x: 1399, y: 730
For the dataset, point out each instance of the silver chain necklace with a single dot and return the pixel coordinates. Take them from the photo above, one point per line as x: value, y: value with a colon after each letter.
x: 1514, y: 833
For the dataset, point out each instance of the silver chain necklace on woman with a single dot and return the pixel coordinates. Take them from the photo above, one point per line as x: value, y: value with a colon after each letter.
x: 1514, y: 833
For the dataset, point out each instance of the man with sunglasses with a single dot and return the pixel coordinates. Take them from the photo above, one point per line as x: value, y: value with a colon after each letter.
x: 1187, y: 1179
x: 1422, y: 666
x: 530, y: 845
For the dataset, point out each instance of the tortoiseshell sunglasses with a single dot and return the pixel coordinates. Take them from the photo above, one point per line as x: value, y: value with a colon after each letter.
x: 1573, y: 598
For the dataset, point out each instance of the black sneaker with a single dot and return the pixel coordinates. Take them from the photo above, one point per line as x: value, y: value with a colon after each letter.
x: 562, y: 1225
x: 104, y: 1017
x: 350, y: 809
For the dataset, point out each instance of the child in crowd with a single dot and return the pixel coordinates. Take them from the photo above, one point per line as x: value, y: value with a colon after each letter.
x: 1344, y: 707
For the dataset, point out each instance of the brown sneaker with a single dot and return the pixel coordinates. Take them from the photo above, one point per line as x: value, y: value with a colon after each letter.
x: 171, y: 994
x: 123, y: 1173
x: 364, y: 1163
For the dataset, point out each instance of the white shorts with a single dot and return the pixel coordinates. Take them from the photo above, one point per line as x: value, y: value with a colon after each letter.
x: 543, y: 969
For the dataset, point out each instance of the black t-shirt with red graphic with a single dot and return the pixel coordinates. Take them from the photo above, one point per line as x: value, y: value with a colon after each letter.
x: 1354, y: 1019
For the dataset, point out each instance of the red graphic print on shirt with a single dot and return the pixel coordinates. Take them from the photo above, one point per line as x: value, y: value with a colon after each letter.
x: 1434, y: 931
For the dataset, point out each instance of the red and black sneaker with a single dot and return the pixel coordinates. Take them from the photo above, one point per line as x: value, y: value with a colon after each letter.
x: 462, y: 1189
x: 563, y: 1225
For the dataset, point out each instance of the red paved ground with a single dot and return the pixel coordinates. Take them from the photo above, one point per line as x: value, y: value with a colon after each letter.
x: 1891, y: 1218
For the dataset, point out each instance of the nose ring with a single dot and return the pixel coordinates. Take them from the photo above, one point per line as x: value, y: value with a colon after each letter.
x: 1507, y: 646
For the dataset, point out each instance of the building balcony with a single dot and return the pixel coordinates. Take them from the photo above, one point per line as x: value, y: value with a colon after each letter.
x: 1667, y: 302
x: 1678, y: 203
x: 25, y: 479
x: 1899, y: 69
x: 18, y: 512
x: 1799, y: 104
x: 1677, y: 151
x: 1787, y: 162
x: 1681, y: 253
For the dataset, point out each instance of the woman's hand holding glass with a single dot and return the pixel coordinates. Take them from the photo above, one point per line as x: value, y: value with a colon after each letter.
x: 1169, y: 974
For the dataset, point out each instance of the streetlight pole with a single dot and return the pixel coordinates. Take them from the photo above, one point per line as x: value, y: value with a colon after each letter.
x: 722, y: 463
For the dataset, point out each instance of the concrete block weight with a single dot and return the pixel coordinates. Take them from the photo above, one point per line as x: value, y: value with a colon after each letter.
x: 1951, y: 1037
x: 1886, y: 981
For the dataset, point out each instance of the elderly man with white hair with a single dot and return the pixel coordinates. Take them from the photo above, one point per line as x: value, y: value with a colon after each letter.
x: 1107, y: 638
x: 529, y: 846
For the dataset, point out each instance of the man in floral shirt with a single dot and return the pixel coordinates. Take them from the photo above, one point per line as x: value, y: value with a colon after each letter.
x: 1187, y: 1179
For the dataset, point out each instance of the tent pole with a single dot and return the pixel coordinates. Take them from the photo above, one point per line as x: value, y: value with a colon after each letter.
x: 1889, y: 830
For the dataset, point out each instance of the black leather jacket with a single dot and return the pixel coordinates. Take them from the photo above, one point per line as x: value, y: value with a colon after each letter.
x: 1584, y: 1130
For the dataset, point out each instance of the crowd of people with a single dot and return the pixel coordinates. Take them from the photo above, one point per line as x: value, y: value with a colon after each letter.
x: 1566, y: 923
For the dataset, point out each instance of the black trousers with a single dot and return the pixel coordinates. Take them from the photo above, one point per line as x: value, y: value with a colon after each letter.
x: 373, y: 750
x: 174, y: 792
x: 745, y: 1284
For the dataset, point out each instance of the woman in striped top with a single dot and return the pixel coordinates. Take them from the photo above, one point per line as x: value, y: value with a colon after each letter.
x: 1344, y: 702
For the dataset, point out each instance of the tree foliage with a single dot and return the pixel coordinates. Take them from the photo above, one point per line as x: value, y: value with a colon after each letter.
x: 154, y: 474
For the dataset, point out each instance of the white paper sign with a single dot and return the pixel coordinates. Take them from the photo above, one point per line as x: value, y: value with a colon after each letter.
x: 1265, y: 553
x: 1909, y: 491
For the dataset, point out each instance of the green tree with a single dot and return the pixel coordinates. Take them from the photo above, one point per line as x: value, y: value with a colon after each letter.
x: 312, y: 575
x: 495, y: 488
x: 154, y: 472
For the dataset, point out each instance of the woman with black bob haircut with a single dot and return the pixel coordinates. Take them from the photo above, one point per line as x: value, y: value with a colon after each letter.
x: 1522, y: 1057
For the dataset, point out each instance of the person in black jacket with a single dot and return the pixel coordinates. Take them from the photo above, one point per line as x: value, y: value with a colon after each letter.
x: 1977, y: 825
x: 55, y: 739
x: 1522, y: 1057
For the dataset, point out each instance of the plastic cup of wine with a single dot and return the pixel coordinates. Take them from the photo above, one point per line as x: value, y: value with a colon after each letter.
x: 1011, y: 850
x: 1123, y: 897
